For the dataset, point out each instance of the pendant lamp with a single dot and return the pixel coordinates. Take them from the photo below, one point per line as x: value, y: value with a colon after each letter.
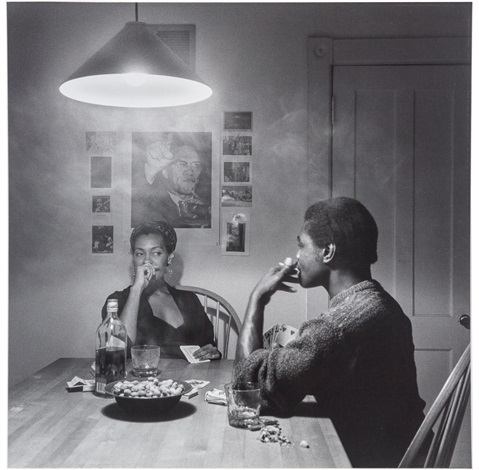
x: 135, y: 69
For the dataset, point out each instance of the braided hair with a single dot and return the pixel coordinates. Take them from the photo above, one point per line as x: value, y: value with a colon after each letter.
x: 162, y: 228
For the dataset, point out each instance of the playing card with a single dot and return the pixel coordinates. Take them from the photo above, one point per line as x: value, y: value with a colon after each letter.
x: 188, y: 352
x: 267, y: 338
x: 78, y: 384
x: 277, y: 329
x: 286, y: 334
x: 196, y: 384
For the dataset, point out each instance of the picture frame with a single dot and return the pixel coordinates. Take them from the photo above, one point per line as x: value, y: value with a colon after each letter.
x: 237, y: 145
x: 102, y: 239
x: 100, y: 142
x: 236, y: 172
x: 235, y: 233
x: 100, y: 172
x: 101, y: 204
x: 236, y: 196
x: 158, y: 178
x: 134, y: 148
x: 238, y: 121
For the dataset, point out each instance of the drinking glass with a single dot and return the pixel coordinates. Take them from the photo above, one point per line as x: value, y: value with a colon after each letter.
x: 244, y: 402
x: 145, y: 359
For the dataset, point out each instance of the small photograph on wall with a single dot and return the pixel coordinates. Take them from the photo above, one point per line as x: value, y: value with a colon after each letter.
x: 236, y: 172
x: 237, y: 145
x: 101, y: 143
x: 101, y: 172
x: 236, y: 196
x: 171, y: 178
x: 238, y: 121
x: 100, y: 204
x: 235, y: 234
x: 102, y: 239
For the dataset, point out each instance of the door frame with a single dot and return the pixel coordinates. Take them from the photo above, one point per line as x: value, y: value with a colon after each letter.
x: 326, y: 53
x: 323, y: 54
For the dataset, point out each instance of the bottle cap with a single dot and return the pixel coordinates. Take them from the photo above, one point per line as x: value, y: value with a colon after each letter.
x: 112, y: 303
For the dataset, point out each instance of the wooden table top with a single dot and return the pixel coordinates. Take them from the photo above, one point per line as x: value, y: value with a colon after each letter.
x: 50, y: 427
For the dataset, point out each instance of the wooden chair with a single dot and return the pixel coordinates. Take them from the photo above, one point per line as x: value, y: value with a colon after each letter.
x: 218, y: 311
x: 449, y: 406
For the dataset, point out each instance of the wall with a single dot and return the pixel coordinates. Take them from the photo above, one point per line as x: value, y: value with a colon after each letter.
x: 254, y: 58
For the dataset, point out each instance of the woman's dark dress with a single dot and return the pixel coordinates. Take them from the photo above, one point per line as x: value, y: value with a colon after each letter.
x: 195, y: 330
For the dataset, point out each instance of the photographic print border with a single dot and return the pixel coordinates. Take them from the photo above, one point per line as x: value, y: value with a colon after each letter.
x: 237, y: 217
x: 247, y: 164
x: 238, y: 121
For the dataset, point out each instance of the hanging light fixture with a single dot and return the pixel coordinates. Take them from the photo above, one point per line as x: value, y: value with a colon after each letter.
x: 135, y: 69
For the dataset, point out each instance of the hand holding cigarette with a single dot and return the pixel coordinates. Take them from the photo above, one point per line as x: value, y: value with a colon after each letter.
x: 148, y: 271
x: 276, y: 279
x: 144, y: 273
x: 290, y: 263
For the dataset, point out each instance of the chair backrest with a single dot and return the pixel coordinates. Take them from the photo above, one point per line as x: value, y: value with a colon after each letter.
x: 447, y: 412
x: 220, y: 312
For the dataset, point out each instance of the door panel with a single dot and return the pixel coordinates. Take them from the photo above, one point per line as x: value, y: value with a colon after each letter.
x: 401, y: 146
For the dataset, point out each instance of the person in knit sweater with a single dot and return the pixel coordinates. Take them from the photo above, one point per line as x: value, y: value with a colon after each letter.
x: 357, y: 359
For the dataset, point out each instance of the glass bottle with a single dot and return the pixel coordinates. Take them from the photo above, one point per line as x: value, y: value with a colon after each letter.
x: 110, y: 356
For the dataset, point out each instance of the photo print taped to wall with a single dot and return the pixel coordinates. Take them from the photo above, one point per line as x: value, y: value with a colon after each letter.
x: 100, y: 172
x: 237, y: 144
x: 171, y: 178
x: 235, y: 233
x: 236, y: 196
x: 238, y: 121
x: 102, y: 239
x: 100, y: 143
x: 100, y: 204
x: 237, y: 172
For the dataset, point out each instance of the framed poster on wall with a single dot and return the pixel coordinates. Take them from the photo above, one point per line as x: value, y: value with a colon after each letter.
x: 172, y: 180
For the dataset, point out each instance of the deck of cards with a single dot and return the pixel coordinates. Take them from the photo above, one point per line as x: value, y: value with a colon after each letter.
x: 78, y: 384
x: 188, y: 352
x: 196, y: 384
x: 279, y: 336
x: 216, y: 397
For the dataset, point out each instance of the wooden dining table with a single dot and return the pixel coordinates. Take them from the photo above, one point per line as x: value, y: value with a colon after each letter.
x: 51, y: 427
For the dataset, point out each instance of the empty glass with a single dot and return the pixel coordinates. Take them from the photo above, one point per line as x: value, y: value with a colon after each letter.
x: 244, y: 402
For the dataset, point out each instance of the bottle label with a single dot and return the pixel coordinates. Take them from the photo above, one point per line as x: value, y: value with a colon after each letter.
x: 115, y: 342
x: 100, y: 385
x: 110, y: 365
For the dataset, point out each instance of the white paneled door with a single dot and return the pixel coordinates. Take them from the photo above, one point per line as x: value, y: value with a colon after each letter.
x: 389, y: 124
x: 401, y: 146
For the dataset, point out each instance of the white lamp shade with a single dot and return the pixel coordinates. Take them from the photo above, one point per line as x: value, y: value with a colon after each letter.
x: 135, y: 69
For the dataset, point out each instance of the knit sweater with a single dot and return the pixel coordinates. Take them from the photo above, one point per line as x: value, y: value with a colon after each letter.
x: 357, y: 360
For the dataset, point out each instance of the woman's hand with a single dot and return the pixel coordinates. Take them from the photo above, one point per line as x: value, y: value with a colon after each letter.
x: 275, y: 279
x: 208, y: 351
x: 143, y: 275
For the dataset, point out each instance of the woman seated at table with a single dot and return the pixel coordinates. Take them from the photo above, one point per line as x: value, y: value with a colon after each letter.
x: 155, y: 312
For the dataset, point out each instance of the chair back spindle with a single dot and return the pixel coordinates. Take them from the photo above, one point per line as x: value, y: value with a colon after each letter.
x: 219, y: 311
x: 444, y: 418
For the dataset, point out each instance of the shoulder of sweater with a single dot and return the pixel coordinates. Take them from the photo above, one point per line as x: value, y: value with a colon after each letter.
x: 367, y: 306
x: 361, y: 305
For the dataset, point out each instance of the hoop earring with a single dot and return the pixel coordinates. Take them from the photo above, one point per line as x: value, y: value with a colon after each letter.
x: 169, y: 270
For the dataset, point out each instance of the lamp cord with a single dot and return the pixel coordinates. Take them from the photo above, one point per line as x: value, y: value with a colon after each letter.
x: 136, y: 11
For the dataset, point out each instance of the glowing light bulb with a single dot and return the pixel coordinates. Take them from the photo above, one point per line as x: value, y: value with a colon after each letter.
x: 135, y: 79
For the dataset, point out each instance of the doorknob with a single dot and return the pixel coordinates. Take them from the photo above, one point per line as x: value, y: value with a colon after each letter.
x: 465, y: 321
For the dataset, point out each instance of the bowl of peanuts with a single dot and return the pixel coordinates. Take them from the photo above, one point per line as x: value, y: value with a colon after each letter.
x: 150, y: 395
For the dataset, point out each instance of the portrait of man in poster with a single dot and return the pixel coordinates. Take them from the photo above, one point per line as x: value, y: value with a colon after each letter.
x: 171, y: 178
